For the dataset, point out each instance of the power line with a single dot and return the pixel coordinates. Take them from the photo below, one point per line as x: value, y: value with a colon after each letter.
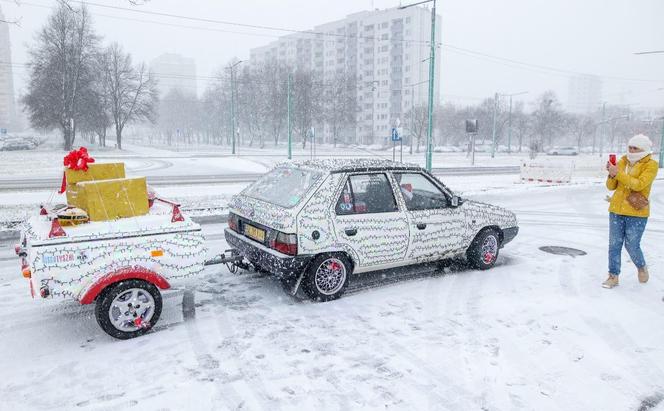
x: 459, y: 50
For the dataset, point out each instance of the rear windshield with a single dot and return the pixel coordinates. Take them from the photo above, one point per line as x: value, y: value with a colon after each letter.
x: 283, y: 186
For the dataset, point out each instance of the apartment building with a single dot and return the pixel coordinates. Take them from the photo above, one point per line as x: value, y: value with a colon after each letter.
x: 8, y: 119
x: 387, y: 52
x: 174, y: 71
x: 585, y: 93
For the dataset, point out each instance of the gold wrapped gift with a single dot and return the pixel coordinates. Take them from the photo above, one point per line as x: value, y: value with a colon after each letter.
x: 96, y: 171
x: 112, y: 199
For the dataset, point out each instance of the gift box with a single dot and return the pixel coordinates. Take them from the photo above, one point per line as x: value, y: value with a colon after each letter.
x: 111, y: 199
x: 96, y: 171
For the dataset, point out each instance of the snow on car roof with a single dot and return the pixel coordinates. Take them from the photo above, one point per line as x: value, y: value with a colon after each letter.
x: 336, y: 165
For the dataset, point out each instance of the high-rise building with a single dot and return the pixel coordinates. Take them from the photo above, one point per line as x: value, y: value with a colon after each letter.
x: 585, y: 93
x: 386, y: 51
x: 174, y: 71
x: 8, y: 118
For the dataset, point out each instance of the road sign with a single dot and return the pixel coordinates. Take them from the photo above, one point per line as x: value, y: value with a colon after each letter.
x: 3, y: 131
x: 395, y: 135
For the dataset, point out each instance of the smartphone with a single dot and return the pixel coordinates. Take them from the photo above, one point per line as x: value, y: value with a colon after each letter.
x: 612, y: 159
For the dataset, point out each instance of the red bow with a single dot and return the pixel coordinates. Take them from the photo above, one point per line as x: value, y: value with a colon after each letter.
x: 78, y: 159
x: 75, y: 160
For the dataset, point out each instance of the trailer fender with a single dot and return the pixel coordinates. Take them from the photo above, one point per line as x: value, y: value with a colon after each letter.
x: 90, y: 293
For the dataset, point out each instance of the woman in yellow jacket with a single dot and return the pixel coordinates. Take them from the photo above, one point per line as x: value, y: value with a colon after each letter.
x: 635, y: 172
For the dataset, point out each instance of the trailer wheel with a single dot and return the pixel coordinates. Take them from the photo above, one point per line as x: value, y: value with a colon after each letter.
x: 128, y: 309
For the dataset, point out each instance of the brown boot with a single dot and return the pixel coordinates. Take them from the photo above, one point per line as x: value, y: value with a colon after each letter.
x: 611, y: 282
x: 643, y: 275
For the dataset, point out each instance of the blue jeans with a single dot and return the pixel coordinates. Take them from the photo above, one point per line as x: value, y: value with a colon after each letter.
x: 625, y: 230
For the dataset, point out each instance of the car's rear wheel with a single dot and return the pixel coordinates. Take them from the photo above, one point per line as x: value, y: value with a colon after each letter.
x: 483, y: 251
x: 326, y: 277
x: 128, y: 309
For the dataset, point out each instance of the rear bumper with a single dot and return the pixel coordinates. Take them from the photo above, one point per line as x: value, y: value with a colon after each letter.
x: 509, y: 234
x: 280, y: 265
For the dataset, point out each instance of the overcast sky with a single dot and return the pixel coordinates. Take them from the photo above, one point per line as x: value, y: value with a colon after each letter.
x: 590, y: 36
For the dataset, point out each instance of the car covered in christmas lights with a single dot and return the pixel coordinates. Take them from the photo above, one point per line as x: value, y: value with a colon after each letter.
x: 315, y: 223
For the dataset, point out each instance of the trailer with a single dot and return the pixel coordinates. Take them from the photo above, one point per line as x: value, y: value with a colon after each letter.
x: 121, y: 266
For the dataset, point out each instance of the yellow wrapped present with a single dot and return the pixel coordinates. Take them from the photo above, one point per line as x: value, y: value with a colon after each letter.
x: 112, y: 199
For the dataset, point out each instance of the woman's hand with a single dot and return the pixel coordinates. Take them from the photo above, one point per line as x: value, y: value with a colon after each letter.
x: 613, y: 170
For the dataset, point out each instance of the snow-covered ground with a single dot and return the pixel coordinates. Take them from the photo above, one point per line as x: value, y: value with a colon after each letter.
x: 537, y: 332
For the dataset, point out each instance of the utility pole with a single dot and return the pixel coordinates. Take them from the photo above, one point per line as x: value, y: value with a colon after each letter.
x: 493, y: 134
x: 290, y: 130
x: 509, y: 130
x: 601, y: 136
x: 432, y: 65
x: 232, y: 68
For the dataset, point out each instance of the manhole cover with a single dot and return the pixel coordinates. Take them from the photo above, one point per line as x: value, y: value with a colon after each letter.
x: 572, y: 252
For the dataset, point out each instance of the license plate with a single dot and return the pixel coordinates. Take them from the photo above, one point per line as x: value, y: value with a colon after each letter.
x: 255, y: 233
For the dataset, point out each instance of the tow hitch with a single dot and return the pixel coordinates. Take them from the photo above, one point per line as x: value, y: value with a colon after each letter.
x: 232, y: 259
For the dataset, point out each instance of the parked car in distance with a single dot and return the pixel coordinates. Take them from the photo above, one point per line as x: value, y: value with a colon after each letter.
x: 17, y: 143
x: 315, y: 223
x: 563, y: 151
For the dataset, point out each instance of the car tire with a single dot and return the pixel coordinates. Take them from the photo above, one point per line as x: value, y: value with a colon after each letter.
x: 128, y: 309
x: 483, y: 251
x: 326, y: 277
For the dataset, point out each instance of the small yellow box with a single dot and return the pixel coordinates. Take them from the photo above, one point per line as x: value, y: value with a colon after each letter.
x: 112, y: 199
x: 96, y: 171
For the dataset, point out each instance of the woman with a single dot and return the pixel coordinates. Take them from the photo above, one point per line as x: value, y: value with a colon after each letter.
x: 631, y: 179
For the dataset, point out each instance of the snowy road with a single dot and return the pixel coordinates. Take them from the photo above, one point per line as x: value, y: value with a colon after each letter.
x: 536, y: 332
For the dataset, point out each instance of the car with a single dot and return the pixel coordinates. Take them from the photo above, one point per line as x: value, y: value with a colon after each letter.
x: 563, y: 151
x: 17, y: 143
x: 315, y: 223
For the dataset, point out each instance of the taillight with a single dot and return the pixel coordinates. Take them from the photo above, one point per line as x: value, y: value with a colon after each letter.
x: 233, y: 222
x: 285, y: 243
x: 25, y: 268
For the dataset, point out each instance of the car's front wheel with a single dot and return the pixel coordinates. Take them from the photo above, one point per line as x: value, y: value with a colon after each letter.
x: 128, y: 309
x: 326, y: 277
x: 483, y: 251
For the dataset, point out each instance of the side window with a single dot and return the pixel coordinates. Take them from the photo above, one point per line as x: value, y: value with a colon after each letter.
x: 419, y: 192
x: 366, y: 194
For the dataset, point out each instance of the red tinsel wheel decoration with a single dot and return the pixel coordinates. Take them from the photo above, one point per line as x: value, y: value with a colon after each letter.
x: 75, y: 160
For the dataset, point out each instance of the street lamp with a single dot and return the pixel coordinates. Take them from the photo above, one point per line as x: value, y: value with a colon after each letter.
x: 231, y: 67
x: 432, y: 61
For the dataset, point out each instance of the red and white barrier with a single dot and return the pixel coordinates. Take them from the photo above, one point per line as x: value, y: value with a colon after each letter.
x: 547, y: 171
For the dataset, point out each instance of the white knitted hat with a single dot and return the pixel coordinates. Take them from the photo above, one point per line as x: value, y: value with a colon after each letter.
x: 641, y: 141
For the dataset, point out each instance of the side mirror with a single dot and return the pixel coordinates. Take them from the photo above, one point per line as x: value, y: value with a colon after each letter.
x: 455, y: 201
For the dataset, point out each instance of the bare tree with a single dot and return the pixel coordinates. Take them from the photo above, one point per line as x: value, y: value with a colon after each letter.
x: 62, y: 72
x: 132, y: 93
x: 548, y: 119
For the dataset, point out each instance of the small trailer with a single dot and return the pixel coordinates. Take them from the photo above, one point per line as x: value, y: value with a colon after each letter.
x: 119, y: 265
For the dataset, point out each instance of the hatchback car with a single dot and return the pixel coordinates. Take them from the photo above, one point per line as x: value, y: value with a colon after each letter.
x: 563, y: 151
x: 315, y: 223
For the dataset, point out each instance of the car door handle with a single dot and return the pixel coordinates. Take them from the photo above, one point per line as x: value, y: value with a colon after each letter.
x: 421, y: 226
x: 350, y: 231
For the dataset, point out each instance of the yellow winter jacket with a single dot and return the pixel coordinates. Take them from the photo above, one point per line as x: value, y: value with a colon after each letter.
x: 638, y: 178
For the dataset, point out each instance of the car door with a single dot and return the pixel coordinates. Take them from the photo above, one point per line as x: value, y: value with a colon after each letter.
x: 369, y: 224
x: 436, y: 226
